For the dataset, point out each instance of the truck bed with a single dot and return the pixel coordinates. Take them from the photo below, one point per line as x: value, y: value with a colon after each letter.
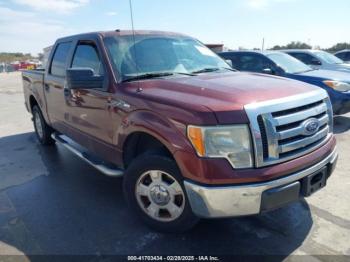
x: 33, y: 85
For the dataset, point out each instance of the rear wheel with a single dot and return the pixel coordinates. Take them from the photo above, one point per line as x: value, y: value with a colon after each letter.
x: 43, y: 131
x: 153, y: 187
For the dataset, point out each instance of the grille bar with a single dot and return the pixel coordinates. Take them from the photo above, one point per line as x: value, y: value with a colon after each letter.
x: 299, y: 129
x: 304, y: 142
x: 301, y: 115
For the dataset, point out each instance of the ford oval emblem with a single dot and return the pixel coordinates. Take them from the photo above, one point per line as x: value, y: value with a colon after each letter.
x: 311, y: 126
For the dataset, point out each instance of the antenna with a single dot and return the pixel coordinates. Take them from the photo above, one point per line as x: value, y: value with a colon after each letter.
x: 139, y: 89
x: 132, y: 19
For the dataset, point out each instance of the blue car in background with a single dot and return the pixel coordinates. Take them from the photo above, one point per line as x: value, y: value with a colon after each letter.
x: 336, y: 83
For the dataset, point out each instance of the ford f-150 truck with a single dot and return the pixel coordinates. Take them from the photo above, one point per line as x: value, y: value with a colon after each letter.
x: 191, y: 137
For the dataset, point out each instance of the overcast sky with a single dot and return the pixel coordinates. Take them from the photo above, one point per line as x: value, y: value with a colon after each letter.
x: 30, y: 25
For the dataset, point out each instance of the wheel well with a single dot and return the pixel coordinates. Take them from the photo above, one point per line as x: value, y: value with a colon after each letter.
x: 32, y: 102
x: 139, y: 143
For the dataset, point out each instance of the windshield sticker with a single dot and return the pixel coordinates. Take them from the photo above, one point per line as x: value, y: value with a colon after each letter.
x: 204, y: 51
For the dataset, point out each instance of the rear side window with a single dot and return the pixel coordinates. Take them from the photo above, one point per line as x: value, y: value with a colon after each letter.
x: 254, y: 63
x: 58, y: 65
x: 347, y: 58
x: 305, y: 58
x: 236, y: 63
x: 342, y: 56
x: 86, y: 56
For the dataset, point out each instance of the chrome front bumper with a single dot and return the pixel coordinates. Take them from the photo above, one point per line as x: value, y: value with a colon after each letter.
x: 231, y: 201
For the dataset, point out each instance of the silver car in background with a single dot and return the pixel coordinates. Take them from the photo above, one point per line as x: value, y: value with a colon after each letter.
x: 344, y: 55
x: 318, y: 59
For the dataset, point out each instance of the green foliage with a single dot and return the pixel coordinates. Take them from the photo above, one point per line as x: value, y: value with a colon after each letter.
x: 11, y: 57
x: 292, y: 45
x: 338, y: 47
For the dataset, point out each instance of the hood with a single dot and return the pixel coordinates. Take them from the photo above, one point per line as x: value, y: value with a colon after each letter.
x: 341, y: 67
x: 225, y: 94
x: 329, y: 75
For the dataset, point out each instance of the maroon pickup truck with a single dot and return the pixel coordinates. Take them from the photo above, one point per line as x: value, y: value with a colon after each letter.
x: 191, y: 137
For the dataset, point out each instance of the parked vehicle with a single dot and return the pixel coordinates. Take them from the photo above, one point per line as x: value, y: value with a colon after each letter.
x: 344, y: 55
x: 192, y: 138
x: 319, y: 59
x: 336, y: 83
x: 21, y: 65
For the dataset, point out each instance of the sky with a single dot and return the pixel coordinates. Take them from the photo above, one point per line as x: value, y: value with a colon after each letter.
x: 30, y: 25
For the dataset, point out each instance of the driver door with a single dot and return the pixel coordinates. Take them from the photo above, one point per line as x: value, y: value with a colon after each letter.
x: 88, y: 113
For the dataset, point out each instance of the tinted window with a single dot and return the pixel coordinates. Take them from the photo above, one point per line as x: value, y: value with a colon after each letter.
x: 234, y: 60
x: 58, y: 66
x: 347, y: 58
x: 86, y: 56
x: 305, y: 58
x: 342, y: 56
x: 253, y: 63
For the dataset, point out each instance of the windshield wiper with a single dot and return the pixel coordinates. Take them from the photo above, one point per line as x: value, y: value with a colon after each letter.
x: 212, y: 69
x: 206, y: 70
x: 230, y: 69
x: 154, y: 75
x: 146, y: 76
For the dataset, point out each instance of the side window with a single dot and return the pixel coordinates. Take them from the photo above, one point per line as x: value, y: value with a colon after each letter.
x: 234, y: 60
x: 342, y: 56
x: 58, y: 65
x: 254, y: 63
x: 86, y: 56
x: 347, y: 58
x: 305, y: 58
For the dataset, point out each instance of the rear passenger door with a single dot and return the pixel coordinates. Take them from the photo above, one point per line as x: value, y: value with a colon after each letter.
x: 54, y: 85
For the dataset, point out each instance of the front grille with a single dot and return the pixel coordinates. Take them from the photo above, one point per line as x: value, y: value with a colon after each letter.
x: 287, y: 128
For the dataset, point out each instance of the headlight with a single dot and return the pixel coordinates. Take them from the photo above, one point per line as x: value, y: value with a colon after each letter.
x: 230, y: 142
x: 336, y: 85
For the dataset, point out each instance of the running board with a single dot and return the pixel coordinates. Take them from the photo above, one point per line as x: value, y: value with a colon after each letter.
x: 103, y: 167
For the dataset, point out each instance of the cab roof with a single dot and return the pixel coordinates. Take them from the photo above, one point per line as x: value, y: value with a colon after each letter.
x: 121, y: 33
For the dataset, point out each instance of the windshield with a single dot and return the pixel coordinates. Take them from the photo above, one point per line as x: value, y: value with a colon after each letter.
x: 329, y: 58
x: 159, y: 55
x: 288, y: 63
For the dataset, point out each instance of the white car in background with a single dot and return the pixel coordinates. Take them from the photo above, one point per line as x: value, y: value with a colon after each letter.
x: 344, y: 55
x: 318, y: 59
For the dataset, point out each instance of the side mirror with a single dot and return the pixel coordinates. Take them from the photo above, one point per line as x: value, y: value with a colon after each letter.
x: 268, y: 71
x: 315, y: 62
x: 229, y: 62
x: 83, y: 78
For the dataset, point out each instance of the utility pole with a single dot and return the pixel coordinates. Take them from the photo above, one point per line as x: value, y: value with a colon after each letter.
x: 263, y: 44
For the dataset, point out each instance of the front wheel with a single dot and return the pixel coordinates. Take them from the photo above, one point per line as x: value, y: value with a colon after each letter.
x: 154, y: 190
x: 42, y: 130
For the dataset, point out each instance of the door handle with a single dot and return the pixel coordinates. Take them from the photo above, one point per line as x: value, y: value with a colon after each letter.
x: 47, y: 87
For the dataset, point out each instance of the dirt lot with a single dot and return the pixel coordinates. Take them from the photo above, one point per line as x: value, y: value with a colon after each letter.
x: 53, y: 203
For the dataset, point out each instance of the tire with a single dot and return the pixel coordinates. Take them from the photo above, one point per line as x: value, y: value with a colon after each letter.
x: 144, y: 183
x: 42, y: 130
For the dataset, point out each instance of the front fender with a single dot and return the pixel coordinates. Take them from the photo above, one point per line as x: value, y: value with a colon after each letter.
x: 170, y: 133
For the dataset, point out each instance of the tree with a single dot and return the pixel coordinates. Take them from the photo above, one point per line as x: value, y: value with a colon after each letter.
x: 41, y: 56
x: 292, y: 45
x: 338, y: 47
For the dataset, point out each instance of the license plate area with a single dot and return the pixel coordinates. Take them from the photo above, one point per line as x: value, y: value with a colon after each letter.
x: 314, y: 182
